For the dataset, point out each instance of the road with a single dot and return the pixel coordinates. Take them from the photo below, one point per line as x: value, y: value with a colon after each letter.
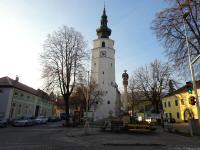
x: 54, y: 137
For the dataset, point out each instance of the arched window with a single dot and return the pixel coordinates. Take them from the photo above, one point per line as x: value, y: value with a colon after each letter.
x: 103, y: 44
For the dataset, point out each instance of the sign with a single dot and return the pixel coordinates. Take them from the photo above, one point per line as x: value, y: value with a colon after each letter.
x: 156, y: 116
x: 88, y: 114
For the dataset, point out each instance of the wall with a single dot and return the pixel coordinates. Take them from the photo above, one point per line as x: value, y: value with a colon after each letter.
x: 5, y: 95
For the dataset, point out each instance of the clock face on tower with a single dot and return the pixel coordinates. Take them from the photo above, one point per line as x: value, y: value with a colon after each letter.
x: 102, y: 53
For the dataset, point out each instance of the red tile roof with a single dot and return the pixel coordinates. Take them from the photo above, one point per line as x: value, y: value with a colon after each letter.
x: 8, y: 82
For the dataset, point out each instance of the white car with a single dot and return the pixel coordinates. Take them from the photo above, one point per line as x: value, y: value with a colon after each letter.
x: 41, y: 120
x: 24, y: 121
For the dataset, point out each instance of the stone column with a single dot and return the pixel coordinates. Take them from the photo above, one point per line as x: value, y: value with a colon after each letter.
x: 125, y: 83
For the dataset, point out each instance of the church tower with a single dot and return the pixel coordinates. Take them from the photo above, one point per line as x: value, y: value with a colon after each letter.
x: 103, y: 70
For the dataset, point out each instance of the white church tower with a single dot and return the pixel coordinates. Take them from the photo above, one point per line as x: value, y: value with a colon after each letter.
x: 103, y: 70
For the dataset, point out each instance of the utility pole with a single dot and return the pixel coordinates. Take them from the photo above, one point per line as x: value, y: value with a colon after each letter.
x: 191, y: 63
x: 192, y: 72
x: 86, y: 126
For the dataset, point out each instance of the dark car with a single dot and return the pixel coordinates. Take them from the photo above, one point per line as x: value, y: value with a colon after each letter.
x: 63, y: 116
x: 3, y: 123
x: 54, y: 119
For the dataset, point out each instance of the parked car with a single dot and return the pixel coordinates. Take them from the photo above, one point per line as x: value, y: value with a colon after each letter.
x: 24, y: 121
x: 54, y: 119
x: 3, y: 123
x: 63, y: 116
x: 41, y: 120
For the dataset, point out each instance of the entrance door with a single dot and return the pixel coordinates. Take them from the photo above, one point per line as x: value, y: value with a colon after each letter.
x: 37, y: 108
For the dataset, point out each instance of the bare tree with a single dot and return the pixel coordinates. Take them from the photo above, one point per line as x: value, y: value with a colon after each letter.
x: 62, y: 60
x: 151, y: 81
x: 170, y: 25
x: 93, y: 95
x: 132, y: 98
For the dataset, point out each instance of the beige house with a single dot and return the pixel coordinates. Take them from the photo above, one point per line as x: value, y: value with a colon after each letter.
x: 177, y: 105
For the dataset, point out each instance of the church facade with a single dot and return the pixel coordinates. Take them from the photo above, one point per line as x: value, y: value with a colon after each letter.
x: 103, y: 70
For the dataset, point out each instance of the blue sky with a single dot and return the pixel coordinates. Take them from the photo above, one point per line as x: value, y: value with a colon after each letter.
x: 26, y: 23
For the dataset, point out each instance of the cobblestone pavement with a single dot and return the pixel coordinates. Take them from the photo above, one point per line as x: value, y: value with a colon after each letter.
x: 53, y: 137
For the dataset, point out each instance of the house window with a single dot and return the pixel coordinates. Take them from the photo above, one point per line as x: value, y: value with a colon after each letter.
x: 165, y: 104
x: 108, y: 102
x: 111, y: 64
x: 103, y: 44
x: 94, y: 64
x: 16, y: 93
x: 170, y: 115
x: 169, y: 105
x: 176, y: 102
x: 166, y: 115
x: 22, y: 95
x: 19, y: 109
x: 178, y: 115
x: 103, y: 72
x: 1, y: 91
x: 103, y: 82
x: 182, y: 102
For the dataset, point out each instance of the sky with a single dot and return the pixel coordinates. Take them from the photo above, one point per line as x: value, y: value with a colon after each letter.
x: 25, y: 24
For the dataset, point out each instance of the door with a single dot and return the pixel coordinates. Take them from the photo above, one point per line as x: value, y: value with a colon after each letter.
x: 37, y: 108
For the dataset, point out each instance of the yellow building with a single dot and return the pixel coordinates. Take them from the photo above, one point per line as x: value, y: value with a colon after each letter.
x: 177, y: 106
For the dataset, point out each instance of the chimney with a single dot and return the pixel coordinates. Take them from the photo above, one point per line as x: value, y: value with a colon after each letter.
x: 17, y: 78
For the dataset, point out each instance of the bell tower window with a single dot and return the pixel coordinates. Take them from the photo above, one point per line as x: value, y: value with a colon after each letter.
x: 103, y: 44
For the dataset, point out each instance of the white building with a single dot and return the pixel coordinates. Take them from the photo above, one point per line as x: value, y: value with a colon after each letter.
x: 18, y: 99
x: 103, y: 70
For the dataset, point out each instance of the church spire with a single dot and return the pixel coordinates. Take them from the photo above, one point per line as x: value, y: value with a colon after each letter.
x: 104, y: 31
